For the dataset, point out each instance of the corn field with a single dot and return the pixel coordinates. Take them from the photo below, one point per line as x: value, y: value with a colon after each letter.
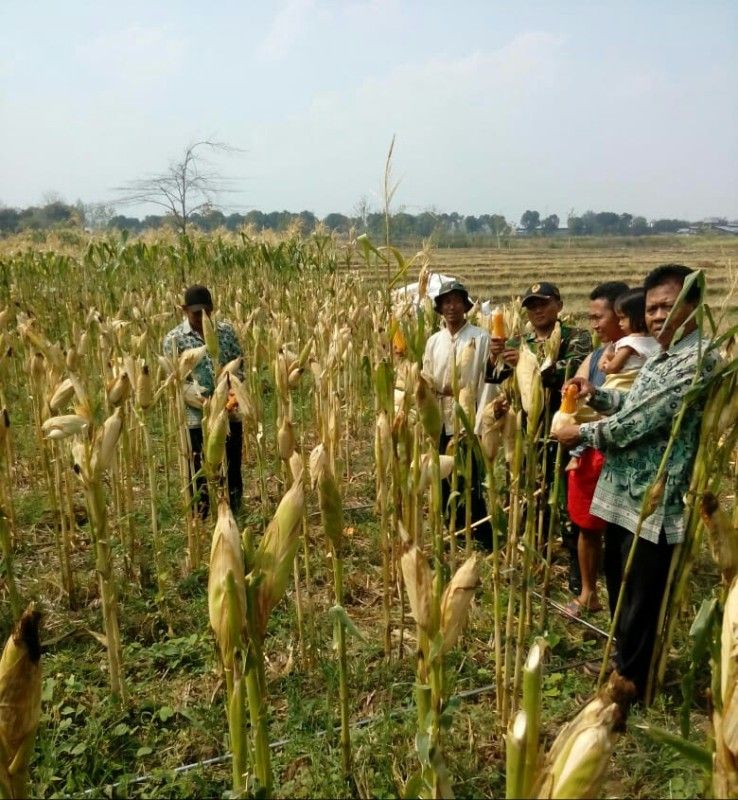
x: 334, y: 638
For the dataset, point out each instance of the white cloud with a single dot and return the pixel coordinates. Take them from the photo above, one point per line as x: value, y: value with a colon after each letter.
x: 285, y: 29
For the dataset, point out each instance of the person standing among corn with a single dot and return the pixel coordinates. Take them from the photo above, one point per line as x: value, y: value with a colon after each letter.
x: 634, y: 435
x: 458, y: 352
x: 543, y: 303
x: 189, y: 334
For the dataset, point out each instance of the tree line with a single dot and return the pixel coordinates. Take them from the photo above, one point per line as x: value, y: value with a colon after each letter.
x: 444, y: 226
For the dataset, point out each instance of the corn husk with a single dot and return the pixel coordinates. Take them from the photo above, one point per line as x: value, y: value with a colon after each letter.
x: 226, y: 557
x: 245, y: 404
x: 654, y: 496
x: 418, y: 578
x: 577, y: 762
x: 456, y: 600
x: 4, y: 427
x: 331, y: 509
x: 192, y: 394
x: 120, y: 390
x: 63, y: 426
x: 382, y: 442
x: 468, y: 402
x: 20, y: 702
x: 216, y: 440
x: 551, y: 347
x: 144, y: 388
x: 286, y: 441
x: 63, y: 393
x: 528, y: 377
x: 490, y: 436
x: 106, y: 440
x: 561, y: 419
x: 276, y: 552
x: 445, y: 464
x: 723, y: 536
x: 189, y: 359
x: 466, y: 364
x: 513, y: 423
x: 428, y: 410
x: 210, y: 337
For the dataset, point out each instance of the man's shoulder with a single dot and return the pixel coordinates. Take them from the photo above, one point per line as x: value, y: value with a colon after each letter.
x: 177, y: 330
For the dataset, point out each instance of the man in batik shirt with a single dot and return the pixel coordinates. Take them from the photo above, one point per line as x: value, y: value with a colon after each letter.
x: 189, y: 334
x: 634, y: 437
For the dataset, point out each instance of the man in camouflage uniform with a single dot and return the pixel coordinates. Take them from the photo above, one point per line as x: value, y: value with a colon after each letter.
x: 543, y: 303
x: 189, y: 334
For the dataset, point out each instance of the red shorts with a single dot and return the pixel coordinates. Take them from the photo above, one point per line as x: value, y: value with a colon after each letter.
x: 581, y: 487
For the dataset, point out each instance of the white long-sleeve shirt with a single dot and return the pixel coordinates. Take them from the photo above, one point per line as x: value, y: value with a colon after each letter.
x: 439, y: 350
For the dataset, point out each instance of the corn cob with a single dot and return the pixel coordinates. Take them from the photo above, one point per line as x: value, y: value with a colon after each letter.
x: 226, y: 557
x: 456, y: 600
x: 144, y: 388
x: 210, y: 336
x: 419, y: 582
x: 20, y: 702
x: 63, y: 393
x: 63, y: 426
x: 430, y: 414
x: 723, y: 536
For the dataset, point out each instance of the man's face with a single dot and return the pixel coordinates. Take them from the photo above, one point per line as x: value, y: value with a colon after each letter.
x: 659, y: 302
x: 195, y: 317
x: 453, y: 308
x: 543, y: 311
x: 603, y: 320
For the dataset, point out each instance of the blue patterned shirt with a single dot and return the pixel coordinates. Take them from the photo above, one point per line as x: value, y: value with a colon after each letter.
x: 184, y: 337
x: 634, y: 435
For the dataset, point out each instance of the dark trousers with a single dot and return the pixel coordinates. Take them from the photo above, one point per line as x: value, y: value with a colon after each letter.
x: 234, y: 445
x: 644, y: 591
x: 482, y: 533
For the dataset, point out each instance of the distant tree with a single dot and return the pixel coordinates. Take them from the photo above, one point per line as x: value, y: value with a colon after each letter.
x: 308, y: 221
x: 9, y: 218
x: 669, y: 225
x: 639, y: 226
x: 337, y: 222
x: 550, y: 224
x: 530, y: 220
x: 425, y: 224
x: 122, y: 223
x: 472, y: 224
x: 361, y: 212
x: 255, y: 218
x: 188, y: 186
x: 234, y: 221
x: 624, y: 224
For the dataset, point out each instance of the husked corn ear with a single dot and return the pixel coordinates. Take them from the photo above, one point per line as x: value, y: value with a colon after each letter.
x: 286, y: 439
x: 497, y: 324
x: 428, y: 410
x: 120, y: 389
x: 63, y: 393
x: 276, y: 552
x: 569, y: 399
x: 144, y: 388
x: 456, y: 600
x: 226, y: 557
x: 723, y: 536
x: 216, y: 440
x: 210, y: 336
x: 418, y: 578
x: 20, y: 702
x: 105, y: 441
x: 399, y: 342
x: 576, y: 765
x: 63, y: 426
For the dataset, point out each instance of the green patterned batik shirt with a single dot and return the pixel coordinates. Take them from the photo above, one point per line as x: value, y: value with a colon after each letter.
x: 635, y: 432
x: 184, y: 337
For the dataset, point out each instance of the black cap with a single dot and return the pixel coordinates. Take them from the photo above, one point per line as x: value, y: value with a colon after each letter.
x: 198, y: 298
x: 543, y: 290
x: 447, y: 288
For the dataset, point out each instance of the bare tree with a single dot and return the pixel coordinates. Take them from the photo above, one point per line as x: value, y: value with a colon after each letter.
x: 189, y: 185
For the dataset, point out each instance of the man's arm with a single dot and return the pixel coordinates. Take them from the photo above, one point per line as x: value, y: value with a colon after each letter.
x: 653, y: 412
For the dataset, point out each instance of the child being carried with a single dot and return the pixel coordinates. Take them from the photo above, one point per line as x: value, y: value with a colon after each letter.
x: 622, y: 359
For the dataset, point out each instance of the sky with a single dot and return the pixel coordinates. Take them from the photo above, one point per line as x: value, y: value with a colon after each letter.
x: 496, y: 107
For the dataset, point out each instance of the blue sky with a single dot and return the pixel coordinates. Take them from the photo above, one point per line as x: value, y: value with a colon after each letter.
x: 556, y: 106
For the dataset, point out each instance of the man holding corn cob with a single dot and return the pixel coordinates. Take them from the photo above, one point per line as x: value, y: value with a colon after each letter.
x: 190, y: 334
x: 455, y: 359
x: 560, y: 349
x: 634, y: 496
